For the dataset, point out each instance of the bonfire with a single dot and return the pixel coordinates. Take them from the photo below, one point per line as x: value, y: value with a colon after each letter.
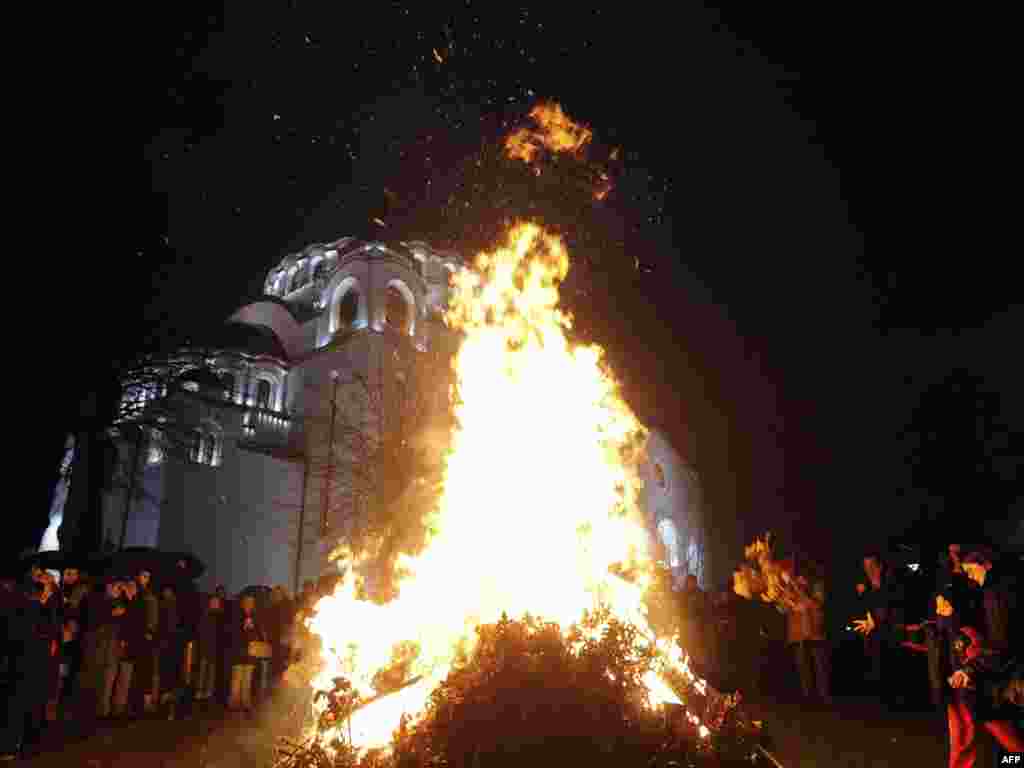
x: 538, y: 519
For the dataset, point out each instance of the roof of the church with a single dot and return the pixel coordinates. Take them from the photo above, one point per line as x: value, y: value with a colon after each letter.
x: 300, y: 312
x: 254, y: 339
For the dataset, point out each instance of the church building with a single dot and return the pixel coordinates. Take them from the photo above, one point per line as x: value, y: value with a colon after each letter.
x: 250, y: 460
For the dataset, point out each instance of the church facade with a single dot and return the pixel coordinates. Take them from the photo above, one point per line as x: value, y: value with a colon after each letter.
x: 256, y: 487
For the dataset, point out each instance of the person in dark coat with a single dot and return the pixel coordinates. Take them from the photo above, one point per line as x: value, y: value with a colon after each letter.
x: 11, y: 598
x: 209, y: 641
x: 224, y: 659
x: 34, y: 645
x: 279, y: 630
x: 190, y: 609
x: 133, y: 649
x: 53, y: 611
x: 146, y: 668
x: 694, y: 617
x: 883, y: 601
x: 953, y: 588
x: 100, y: 656
x: 75, y: 594
x: 171, y: 650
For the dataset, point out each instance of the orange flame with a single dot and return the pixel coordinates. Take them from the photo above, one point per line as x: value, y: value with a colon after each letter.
x: 555, y: 132
x: 558, y: 134
x: 540, y: 495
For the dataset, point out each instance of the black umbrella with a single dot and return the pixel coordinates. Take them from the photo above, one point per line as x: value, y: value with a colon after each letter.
x: 164, y: 566
x: 56, y: 560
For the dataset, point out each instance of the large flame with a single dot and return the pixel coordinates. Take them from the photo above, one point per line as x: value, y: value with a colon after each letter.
x: 539, y: 497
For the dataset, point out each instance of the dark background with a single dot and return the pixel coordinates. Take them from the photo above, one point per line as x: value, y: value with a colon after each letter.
x: 807, y: 321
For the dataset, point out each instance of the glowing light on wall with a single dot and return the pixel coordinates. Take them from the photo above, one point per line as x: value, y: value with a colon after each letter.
x: 50, y: 540
x: 670, y: 538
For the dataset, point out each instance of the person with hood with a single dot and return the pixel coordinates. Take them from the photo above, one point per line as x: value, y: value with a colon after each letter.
x: 983, y: 654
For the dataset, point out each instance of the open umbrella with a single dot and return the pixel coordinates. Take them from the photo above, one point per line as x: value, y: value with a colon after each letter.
x: 57, y: 560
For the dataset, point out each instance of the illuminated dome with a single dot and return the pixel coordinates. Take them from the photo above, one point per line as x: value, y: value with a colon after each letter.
x: 257, y: 340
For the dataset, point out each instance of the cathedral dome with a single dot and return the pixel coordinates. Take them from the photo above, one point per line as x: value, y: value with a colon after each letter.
x: 253, y: 339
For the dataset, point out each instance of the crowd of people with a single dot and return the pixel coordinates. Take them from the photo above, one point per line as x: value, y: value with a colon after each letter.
x: 965, y: 623
x: 971, y: 635
x: 130, y: 645
x: 125, y: 647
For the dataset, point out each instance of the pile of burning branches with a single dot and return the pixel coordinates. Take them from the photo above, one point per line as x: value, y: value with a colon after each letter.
x: 530, y: 693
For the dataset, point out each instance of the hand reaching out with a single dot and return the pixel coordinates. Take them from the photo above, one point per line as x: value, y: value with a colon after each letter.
x: 865, y: 626
x: 960, y: 679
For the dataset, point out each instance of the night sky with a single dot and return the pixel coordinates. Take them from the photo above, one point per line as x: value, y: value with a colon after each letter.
x: 770, y: 276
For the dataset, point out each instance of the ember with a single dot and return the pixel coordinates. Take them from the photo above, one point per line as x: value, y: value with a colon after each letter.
x: 559, y: 135
x: 555, y: 131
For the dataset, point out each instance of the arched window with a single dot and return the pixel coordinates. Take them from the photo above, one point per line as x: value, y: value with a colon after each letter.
x: 205, y: 447
x: 348, y: 309
x: 319, y: 269
x: 155, y: 450
x: 196, y: 446
x: 263, y: 393
x: 397, y: 314
x: 208, y: 444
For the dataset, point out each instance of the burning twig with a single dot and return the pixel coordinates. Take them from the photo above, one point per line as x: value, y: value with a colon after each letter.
x: 384, y: 694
